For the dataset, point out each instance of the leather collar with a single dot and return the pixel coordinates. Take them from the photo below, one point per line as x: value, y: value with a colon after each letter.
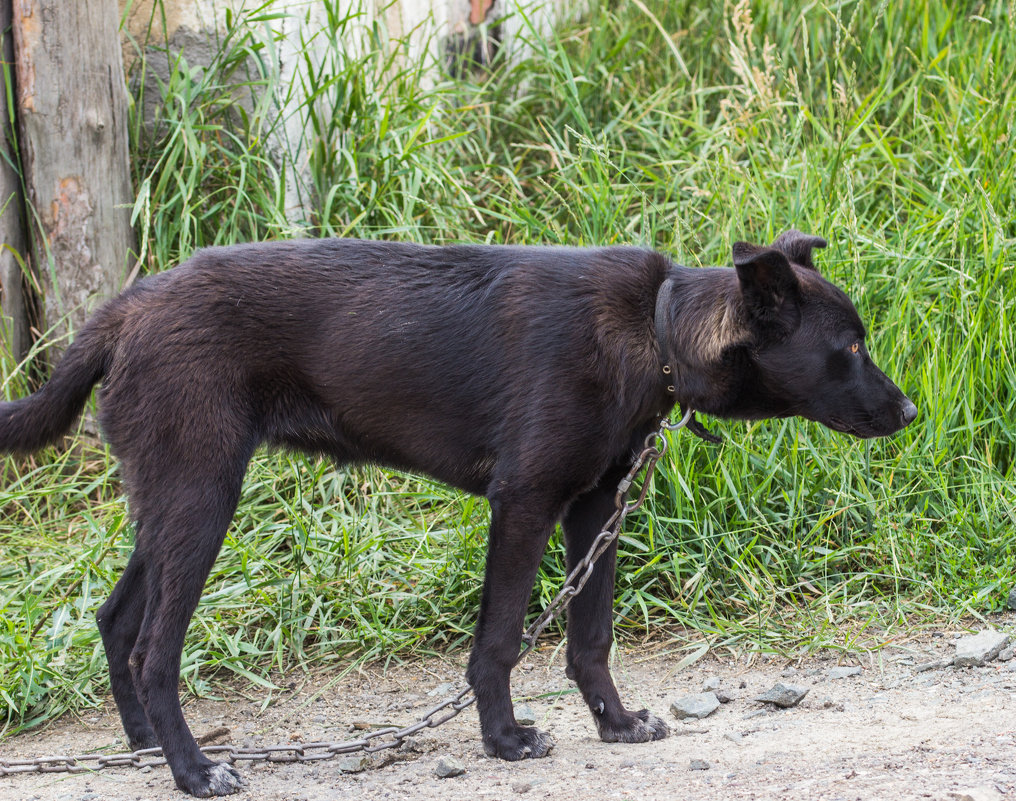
x: 661, y: 319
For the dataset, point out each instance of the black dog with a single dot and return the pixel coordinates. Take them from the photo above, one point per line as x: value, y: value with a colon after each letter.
x: 527, y: 375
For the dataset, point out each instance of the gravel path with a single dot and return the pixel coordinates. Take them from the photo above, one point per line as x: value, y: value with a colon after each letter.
x: 892, y: 731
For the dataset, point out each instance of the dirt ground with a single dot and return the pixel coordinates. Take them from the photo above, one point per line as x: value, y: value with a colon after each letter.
x: 891, y: 732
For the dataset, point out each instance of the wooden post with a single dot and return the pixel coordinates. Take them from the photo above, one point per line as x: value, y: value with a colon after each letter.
x: 72, y: 118
x: 14, y: 325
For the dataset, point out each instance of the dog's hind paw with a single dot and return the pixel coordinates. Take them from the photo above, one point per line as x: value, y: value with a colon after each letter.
x: 636, y: 727
x: 212, y: 780
x: 522, y: 743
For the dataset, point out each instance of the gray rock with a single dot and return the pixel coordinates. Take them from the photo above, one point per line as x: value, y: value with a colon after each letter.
x: 695, y: 705
x: 734, y: 736
x: 723, y: 696
x: 524, y: 715
x: 699, y: 764
x: 354, y: 764
x: 1011, y: 601
x: 711, y: 684
x: 448, y: 767
x: 980, y: 648
x: 1006, y: 653
x: 844, y: 672
x: 783, y: 695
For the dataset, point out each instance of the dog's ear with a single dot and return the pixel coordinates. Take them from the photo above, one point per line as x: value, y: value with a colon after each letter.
x: 797, y: 246
x: 768, y: 284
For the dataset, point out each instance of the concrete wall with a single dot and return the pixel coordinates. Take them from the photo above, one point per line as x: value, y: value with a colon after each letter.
x: 431, y: 31
x: 427, y: 24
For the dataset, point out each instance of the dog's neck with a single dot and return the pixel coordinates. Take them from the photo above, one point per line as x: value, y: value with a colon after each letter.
x: 697, y: 327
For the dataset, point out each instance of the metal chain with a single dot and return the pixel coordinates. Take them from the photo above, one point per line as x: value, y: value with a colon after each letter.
x: 654, y: 447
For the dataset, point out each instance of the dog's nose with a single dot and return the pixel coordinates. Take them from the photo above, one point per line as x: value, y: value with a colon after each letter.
x: 909, y: 412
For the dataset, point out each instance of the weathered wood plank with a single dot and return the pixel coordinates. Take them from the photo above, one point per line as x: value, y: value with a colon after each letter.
x: 72, y: 119
x: 14, y: 327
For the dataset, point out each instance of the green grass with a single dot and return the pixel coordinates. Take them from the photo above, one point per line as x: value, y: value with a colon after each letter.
x: 886, y: 128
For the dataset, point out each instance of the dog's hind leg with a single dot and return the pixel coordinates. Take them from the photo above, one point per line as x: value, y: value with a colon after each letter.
x: 182, y: 537
x: 590, y: 621
x: 518, y: 536
x: 119, y: 620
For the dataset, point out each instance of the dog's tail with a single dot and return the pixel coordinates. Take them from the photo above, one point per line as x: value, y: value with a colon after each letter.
x: 31, y: 423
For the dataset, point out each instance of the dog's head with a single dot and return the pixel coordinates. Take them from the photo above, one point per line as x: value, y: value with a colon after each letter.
x: 807, y: 343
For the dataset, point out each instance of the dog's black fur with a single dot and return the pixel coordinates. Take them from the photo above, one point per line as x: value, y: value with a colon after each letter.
x: 527, y: 375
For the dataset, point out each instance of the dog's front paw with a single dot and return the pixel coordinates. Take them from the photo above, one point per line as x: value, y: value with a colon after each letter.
x: 210, y: 780
x: 633, y: 727
x: 523, y: 742
x: 142, y: 740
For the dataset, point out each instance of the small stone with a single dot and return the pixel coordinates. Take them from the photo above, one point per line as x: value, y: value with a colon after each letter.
x: 711, y: 684
x: 684, y: 731
x: 934, y: 664
x: 980, y: 648
x: 524, y: 715
x: 723, y: 696
x: 734, y: 736
x: 695, y: 705
x: 441, y: 689
x: 1006, y: 653
x: 521, y: 787
x: 844, y: 672
x: 699, y: 764
x: 354, y: 764
x: 783, y: 695
x: 448, y: 767
x: 1011, y: 601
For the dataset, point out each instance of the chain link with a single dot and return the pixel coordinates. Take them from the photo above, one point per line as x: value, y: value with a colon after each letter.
x: 654, y: 446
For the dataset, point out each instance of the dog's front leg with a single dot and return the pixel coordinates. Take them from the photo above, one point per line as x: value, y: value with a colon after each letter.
x: 518, y: 536
x: 590, y: 622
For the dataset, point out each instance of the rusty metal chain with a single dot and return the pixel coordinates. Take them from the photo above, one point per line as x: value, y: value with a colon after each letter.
x: 654, y: 447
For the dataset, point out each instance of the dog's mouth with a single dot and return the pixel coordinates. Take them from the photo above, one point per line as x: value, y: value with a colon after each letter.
x: 868, y: 429
x: 843, y: 427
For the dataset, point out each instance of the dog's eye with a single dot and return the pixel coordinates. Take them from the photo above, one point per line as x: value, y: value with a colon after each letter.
x: 855, y: 347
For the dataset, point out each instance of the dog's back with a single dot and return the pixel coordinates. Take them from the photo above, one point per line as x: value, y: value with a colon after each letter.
x: 352, y: 348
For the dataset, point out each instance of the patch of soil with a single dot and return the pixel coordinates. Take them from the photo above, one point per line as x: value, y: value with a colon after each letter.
x: 891, y: 732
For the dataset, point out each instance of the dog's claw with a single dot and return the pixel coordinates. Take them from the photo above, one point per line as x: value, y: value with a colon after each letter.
x: 638, y: 727
x: 212, y: 780
x: 524, y: 743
